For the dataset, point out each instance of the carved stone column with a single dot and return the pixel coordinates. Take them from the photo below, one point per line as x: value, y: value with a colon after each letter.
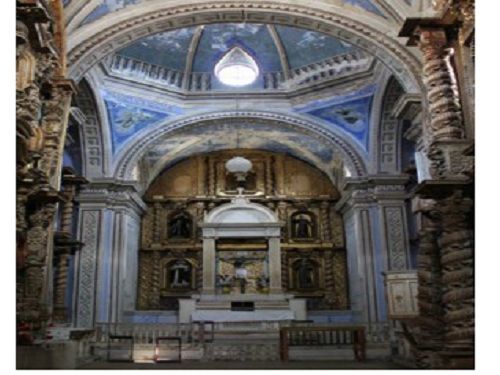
x: 107, y: 263
x: 376, y: 241
x: 363, y: 255
x: 54, y: 124
x: 442, y: 91
x: 34, y: 305
x: 445, y: 329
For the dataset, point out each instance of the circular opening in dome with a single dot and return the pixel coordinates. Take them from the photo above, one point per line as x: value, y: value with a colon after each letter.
x: 237, y: 68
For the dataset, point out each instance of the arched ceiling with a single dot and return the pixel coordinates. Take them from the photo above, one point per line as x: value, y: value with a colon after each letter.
x: 332, y: 76
x: 100, y: 8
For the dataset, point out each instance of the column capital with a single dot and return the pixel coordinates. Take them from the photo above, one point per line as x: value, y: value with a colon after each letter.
x: 113, y: 194
x: 428, y: 31
x: 370, y: 190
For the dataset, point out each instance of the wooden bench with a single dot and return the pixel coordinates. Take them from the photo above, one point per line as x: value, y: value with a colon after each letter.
x: 323, y: 336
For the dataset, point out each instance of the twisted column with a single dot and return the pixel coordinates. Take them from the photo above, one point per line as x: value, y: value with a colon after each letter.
x: 325, y: 221
x: 445, y: 118
x: 156, y: 223
x: 457, y: 260
x: 61, y: 283
x: 429, y: 337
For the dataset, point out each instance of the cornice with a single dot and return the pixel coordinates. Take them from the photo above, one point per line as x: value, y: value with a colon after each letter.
x: 371, y: 190
x: 115, y: 194
x: 407, y: 107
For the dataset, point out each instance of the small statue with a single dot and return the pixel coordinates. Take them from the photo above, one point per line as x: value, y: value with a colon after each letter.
x: 180, y: 227
x: 240, y: 274
x: 180, y: 274
x: 302, y: 226
x: 305, y: 275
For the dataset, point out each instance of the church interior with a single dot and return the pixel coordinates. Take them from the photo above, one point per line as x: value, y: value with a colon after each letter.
x: 245, y: 183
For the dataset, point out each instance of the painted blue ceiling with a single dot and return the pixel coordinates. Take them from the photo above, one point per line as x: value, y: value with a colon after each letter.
x: 304, y: 47
x: 170, y: 49
x: 350, y: 113
x: 128, y: 115
x: 167, y: 49
x: 108, y: 6
x: 218, y: 39
x: 366, y: 5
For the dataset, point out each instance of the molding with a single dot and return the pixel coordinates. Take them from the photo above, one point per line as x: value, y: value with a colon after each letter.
x: 371, y: 190
x: 285, y: 66
x: 112, y: 194
x: 129, y: 156
x: 193, y: 47
x: 407, y: 107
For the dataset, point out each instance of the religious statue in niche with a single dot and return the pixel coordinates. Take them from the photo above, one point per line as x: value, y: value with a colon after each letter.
x: 302, y: 225
x: 305, y: 274
x: 179, y: 275
x: 240, y: 274
x: 180, y: 226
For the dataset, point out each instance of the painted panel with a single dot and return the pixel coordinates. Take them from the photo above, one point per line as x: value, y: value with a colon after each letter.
x: 350, y: 113
x: 304, y: 47
x: 168, y: 49
x: 128, y: 115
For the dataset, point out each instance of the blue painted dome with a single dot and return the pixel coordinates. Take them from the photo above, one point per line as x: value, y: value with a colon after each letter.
x: 209, y: 43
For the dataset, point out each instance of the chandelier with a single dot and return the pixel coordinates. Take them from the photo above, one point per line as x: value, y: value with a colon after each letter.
x: 236, y: 68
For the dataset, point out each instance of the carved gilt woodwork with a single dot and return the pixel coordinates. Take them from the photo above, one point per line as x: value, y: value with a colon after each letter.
x: 300, y: 195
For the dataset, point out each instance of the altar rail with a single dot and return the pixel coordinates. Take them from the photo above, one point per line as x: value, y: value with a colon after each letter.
x: 338, y: 336
x: 147, y: 333
x: 198, y: 331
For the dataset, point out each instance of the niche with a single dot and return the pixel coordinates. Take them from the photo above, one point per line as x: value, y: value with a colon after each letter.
x: 180, y: 226
x: 305, y: 274
x: 178, y: 275
x: 303, y: 225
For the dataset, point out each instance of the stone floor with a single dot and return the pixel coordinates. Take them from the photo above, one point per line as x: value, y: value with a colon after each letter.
x: 367, y: 365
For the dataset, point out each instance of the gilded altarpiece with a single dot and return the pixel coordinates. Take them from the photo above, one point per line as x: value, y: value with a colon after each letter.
x: 312, y: 241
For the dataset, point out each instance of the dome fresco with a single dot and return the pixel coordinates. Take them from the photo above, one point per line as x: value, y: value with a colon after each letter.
x: 218, y: 39
x: 170, y: 49
x: 167, y: 49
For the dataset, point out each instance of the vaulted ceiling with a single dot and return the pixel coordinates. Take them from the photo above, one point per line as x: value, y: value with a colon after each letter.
x: 325, y: 85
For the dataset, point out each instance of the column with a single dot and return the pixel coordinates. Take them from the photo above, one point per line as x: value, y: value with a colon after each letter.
x: 376, y: 236
x: 209, y: 266
x: 275, y: 265
x: 446, y: 253
x: 109, y: 227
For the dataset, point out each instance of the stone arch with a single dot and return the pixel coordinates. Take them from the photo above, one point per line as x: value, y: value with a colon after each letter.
x: 129, y: 157
x: 389, y: 130
x: 95, y: 157
x: 92, y: 43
